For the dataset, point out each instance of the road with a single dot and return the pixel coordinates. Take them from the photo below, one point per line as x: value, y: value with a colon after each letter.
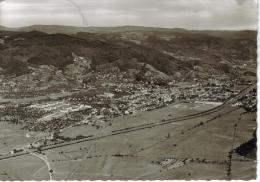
x: 140, y: 127
x: 45, y: 160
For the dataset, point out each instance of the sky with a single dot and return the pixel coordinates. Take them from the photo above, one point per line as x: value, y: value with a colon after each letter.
x: 189, y: 14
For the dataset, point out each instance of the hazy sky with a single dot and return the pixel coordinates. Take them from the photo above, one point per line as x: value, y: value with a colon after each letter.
x: 191, y: 14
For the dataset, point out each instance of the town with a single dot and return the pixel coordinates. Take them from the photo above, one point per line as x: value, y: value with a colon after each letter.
x: 114, y: 95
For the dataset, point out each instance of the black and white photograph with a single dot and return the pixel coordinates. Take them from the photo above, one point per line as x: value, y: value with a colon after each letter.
x: 128, y: 90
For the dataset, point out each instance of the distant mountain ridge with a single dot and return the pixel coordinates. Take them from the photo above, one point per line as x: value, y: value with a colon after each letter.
x: 53, y: 29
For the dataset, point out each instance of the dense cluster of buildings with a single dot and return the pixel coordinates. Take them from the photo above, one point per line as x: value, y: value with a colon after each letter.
x: 249, y: 101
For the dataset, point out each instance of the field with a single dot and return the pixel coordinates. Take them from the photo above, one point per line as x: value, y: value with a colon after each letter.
x: 12, y: 136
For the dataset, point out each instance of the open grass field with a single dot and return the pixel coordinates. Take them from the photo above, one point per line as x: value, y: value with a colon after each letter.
x: 23, y: 168
x: 12, y: 136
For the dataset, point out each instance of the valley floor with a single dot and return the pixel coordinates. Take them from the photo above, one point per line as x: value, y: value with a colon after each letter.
x: 196, y: 148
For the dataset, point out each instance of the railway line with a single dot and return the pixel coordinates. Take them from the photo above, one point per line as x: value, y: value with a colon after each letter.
x: 136, y: 128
